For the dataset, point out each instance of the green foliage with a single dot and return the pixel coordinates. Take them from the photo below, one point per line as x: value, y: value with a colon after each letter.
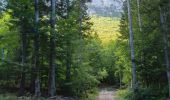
x: 141, y: 94
x: 9, y: 36
x: 84, y: 83
x: 89, y: 50
x: 149, y: 52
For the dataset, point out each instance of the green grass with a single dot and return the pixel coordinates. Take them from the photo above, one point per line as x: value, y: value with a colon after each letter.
x: 8, y: 97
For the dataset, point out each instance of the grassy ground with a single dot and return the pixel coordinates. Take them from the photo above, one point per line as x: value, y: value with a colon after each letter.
x: 10, y: 96
x: 7, y: 97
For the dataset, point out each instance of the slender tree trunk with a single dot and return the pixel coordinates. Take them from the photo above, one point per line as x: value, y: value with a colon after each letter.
x: 36, y: 51
x: 140, y: 29
x: 68, y: 51
x: 139, y: 15
x: 32, y: 84
x: 132, y: 45
x: 81, y: 5
x: 3, y: 55
x: 23, y: 49
x: 68, y: 61
x: 52, y: 84
x: 68, y: 4
x: 165, y: 39
x: 120, y: 79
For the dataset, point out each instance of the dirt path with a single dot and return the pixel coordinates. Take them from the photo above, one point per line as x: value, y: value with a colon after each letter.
x: 107, y: 93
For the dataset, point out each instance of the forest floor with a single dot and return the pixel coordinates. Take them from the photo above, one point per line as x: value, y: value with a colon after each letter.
x: 107, y: 93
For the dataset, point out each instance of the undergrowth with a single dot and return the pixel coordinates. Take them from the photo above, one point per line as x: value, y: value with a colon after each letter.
x: 141, y: 94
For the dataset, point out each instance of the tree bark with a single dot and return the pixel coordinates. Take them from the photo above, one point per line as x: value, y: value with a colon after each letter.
x: 141, y: 31
x: 23, y: 58
x: 68, y: 51
x: 68, y: 61
x: 132, y: 45
x: 3, y: 55
x: 36, y: 51
x: 52, y: 84
x: 139, y: 15
x: 81, y: 5
x: 165, y: 39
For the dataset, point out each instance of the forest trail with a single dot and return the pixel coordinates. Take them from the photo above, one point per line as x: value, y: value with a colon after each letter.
x: 107, y: 93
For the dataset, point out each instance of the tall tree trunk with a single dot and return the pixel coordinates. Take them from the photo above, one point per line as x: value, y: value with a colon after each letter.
x: 52, y: 84
x: 23, y: 58
x: 139, y: 15
x: 132, y: 46
x: 68, y: 61
x: 3, y: 55
x: 81, y: 5
x: 165, y: 39
x: 36, y: 51
x: 141, y: 31
x: 68, y: 51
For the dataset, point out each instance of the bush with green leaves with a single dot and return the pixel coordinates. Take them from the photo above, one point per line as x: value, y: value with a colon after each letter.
x: 142, y: 94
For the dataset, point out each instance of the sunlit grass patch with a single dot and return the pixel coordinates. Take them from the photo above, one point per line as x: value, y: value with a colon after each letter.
x: 107, y: 28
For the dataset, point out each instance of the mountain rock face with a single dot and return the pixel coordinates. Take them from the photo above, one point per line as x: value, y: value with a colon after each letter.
x: 106, y: 8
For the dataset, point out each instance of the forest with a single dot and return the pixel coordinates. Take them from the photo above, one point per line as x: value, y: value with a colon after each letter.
x: 56, y: 50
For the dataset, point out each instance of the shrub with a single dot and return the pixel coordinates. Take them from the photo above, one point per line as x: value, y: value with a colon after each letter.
x: 141, y: 94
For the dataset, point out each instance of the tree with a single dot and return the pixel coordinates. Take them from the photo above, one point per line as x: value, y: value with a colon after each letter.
x: 68, y: 49
x: 131, y: 45
x: 52, y: 84
x: 36, y: 51
x: 24, y: 39
x: 139, y: 15
x: 163, y: 20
